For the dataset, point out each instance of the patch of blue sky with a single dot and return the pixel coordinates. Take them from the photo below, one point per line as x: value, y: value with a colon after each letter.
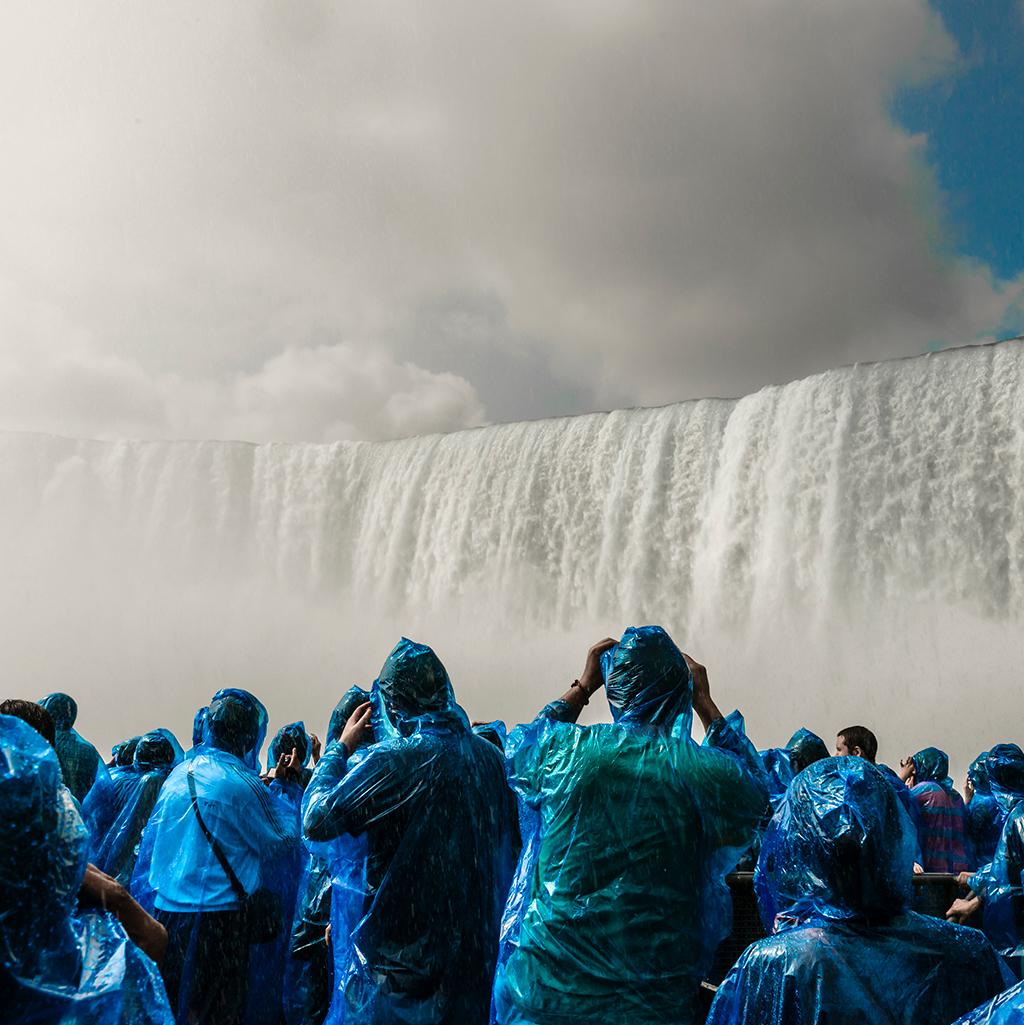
x: 974, y: 123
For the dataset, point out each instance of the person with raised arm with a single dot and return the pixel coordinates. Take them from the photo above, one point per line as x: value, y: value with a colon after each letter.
x: 618, y: 915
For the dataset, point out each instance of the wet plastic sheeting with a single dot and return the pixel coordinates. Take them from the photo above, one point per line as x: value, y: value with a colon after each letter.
x: 1000, y: 885
x: 629, y: 830
x: 117, y: 809
x: 214, y: 965
x: 834, y: 879
x: 1005, y: 1009
x: 80, y: 762
x: 417, y: 831
x: 55, y: 966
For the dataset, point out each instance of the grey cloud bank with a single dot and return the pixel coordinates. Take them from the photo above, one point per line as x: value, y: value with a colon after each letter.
x: 322, y: 221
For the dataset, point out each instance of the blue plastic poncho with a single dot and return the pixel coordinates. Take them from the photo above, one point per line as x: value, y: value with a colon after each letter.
x: 835, y: 878
x: 198, y: 731
x: 1005, y: 1009
x: 307, y: 991
x: 620, y: 901
x: 988, y: 809
x: 122, y: 754
x: 999, y: 883
x: 57, y: 968
x: 79, y: 760
x: 942, y: 818
x: 416, y: 912
x: 350, y: 701
x: 213, y: 972
x: 117, y: 812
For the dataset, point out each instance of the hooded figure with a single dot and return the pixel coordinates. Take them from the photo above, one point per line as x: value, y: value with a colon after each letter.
x: 57, y: 968
x: 217, y: 867
x: 1000, y: 883
x: 307, y: 991
x: 941, y: 823
x: 619, y: 901
x: 1005, y: 1009
x: 835, y: 880
x: 122, y: 755
x: 415, y: 920
x: 984, y: 818
x: 117, y: 813
x: 781, y: 764
x: 79, y: 760
x: 292, y: 737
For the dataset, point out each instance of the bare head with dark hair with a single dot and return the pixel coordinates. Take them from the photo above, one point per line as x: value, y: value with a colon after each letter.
x: 857, y: 741
x: 35, y: 715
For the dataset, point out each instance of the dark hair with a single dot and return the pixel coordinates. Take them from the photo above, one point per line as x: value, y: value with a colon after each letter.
x: 35, y: 715
x: 862, y: 737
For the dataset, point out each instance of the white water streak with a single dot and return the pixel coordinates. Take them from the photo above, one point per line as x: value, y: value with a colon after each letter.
x: 849, y: 546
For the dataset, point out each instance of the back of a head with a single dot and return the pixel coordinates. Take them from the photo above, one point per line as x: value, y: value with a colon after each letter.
x: 236, y: 722
x: 860, y: 737
x: 1004, y: 769
x: 350, y: 701
x: 42, y: 838
x: 931, y: 766
x: 805, y: 748
x: 154, y: 751
x: 648, y: 681
x: 412, y: 683
x: 62, y: 707
x: 124, y: 753
x: 840, y: 846
x: 34, y: 714
x: 977, y: 774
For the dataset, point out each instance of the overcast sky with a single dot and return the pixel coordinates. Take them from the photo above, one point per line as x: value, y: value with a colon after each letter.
x: 311, y: 221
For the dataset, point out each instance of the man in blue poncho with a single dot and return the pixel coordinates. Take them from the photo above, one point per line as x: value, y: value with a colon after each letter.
x: 997, y: 889
x: 58, y: 967
x: 431, y: 801
x: 218, y: 865
x: 637, y: 825
x: 860, y: 742
x: 834, y: 879
x: 79, y: 760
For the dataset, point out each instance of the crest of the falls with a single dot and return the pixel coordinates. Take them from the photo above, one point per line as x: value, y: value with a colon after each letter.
x: 849, y: 547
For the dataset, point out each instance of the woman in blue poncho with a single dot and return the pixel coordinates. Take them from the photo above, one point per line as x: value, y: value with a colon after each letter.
x: 218, y: 865
x: 834, y: 883
x: 420, y: 826
x: 58, y: 967
x: 623, y: 902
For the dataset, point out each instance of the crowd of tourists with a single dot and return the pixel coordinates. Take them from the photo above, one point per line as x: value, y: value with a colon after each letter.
x: 418, y: 869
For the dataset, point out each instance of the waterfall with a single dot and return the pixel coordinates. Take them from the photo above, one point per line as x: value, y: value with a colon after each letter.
x: 846, y: 548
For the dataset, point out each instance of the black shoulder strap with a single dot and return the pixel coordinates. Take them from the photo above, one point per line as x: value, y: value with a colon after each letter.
x: 234, y: 881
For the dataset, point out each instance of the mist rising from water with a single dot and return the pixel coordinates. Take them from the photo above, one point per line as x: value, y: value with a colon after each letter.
x: 847, y: 548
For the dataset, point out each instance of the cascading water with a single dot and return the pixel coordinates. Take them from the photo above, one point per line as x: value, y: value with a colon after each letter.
x: 847, y: 548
